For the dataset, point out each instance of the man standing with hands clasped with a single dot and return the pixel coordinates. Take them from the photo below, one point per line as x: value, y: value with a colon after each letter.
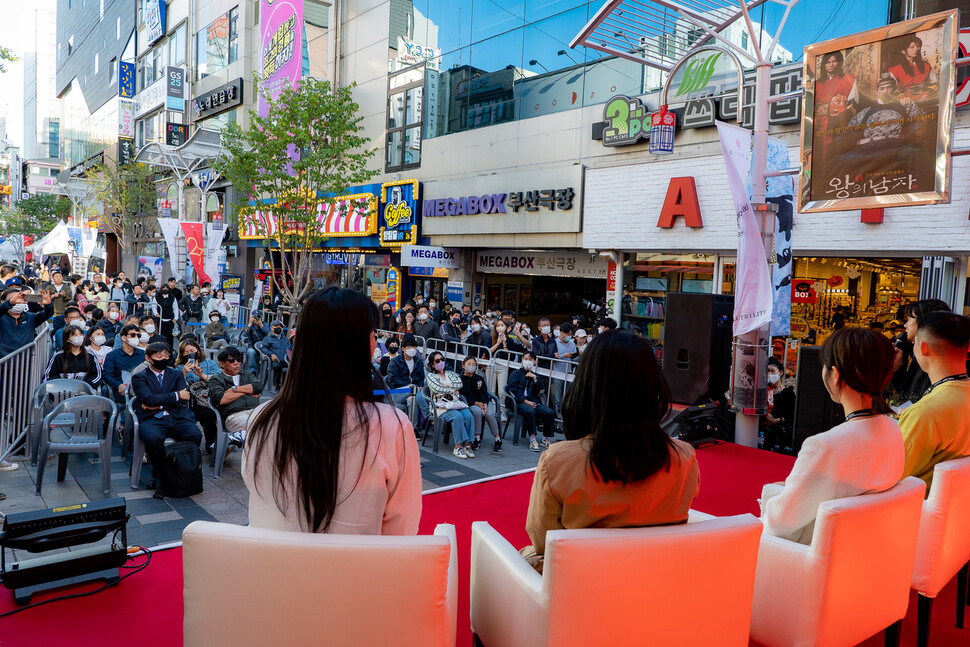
x: 162, y: 406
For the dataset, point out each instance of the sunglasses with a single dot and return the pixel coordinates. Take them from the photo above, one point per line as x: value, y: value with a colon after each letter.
x: 233, y: 360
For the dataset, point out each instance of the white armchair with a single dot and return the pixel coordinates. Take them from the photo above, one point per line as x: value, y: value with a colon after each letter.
x: 249, y: 586
x: 682, y: 585
x: 943, y: 549
x: 851, y: 583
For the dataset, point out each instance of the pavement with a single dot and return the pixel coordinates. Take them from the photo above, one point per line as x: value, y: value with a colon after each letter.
x: 155, y: 522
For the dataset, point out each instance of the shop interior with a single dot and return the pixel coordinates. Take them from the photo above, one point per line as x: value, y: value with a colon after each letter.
x: 533, y: 297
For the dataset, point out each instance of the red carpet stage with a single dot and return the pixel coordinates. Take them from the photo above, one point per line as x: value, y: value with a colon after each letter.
x: 146, y: 609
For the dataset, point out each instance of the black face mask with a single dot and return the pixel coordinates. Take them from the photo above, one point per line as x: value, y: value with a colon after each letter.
x: 392, y: 349
x: 456, y: 320
x: 157, y: 364
x: 387, y: 313
x: 277, y: 330
x: 165, y: 293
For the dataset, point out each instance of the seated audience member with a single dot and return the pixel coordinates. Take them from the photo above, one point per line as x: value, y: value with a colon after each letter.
x: 72, y: 317
x: 444, y: 387
x: 196, y: 367
x: 235, y: 392
x: 618, y: 467
x: 147, y: 324
x: 121, y: 362
x: 937, y: 428
x: 216, y: 335
x: 393, y: 346
x: 74, y: 362
x: 475, y: 392
x: 528, y: 392
x: 910, y: 380
x: 162, y: 399
x: 337, y: 462
x: 96, y: 343
x: 278, y: 347
x: 256, y: 331
x: 863, y: 454
x: 405, y: 370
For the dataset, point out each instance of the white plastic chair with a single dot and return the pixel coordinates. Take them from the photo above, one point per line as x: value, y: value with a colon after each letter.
x: 851, y: 583
x: 684, y: 585
x: 943, y: 549
x: 255, y: 587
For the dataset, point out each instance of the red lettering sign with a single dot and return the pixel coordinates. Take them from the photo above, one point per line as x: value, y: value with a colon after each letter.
x: 681, y: 200
x: 803, y: 292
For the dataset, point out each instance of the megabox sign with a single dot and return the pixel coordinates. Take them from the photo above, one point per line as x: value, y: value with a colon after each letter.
x: 426, y: 256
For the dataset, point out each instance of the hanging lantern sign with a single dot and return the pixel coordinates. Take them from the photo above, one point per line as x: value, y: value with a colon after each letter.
x: 662, y: 127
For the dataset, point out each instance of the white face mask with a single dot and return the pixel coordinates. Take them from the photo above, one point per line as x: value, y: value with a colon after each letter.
x: 19, y: 308
x: 470, y: 370
x: 411, y: 352
x: 76, y: 340
x: 773, y: 378
x: 475, y: 327
x: 544, y: 330
x: 423, y: 316
x: 143, y: 338
x: 418, y: 301
x: 500, y: 329
x: 527, y: 364
x: 433, y: 305
x: 602, y: 330
x: 113, y: 316
x: 98, y: 339
x: 150, y: 329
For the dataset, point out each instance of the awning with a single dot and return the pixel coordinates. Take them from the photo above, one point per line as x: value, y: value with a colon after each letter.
x: 202, y: 147
x: 659, y: 33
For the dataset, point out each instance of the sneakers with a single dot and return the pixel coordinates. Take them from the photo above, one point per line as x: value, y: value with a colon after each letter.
x: 534, y: 446
x: 7, y: 466
x: 546, y: 442
x: 498, y: 445
x: 469, y: 451
x: 459, y: 452
x: 476, y: 444
x: 236, y: 438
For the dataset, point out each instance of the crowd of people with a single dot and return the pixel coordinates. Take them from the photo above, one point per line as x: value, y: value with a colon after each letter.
x: 346, y: 460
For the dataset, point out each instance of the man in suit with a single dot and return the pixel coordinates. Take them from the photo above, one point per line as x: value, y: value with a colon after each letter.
x: 161, y: 404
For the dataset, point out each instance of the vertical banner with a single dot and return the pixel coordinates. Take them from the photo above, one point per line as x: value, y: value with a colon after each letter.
x: 781, y: 192
x: 753, y: 293
x: 170, y: 230
x: 280, y: 47
x: 213, y: 242
x: 193, y: 232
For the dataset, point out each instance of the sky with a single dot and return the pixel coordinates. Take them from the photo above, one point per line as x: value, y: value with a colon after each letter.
x: 16, y: 14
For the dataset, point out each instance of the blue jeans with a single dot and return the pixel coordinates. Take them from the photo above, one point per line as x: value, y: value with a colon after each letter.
x: 462, y: 424
x: 253, y: 357
x: 401, y: 402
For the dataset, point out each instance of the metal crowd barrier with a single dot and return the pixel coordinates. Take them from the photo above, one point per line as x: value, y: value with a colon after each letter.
x: 21, y: 372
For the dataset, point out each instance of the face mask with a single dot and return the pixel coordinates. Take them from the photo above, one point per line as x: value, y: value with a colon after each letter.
x: 439, y: 366
x: 526, y: 330
x: 387, y: 313
x: 98, y: 339
x: 566, y: 339
x: 191, y: 355
x: 158, y: 364
x: 499, y: 328
x: 215, y: 319
x: 422, y: 317
x: 143, y: 338
x: 773, y: 378
x: 150, y: 329
x: 602, y: 330
x: 76, y: 340
x: 527, y: 364
x: 476, y: 327
x: 19, y: 308
x: 411, y: 352
x: 164, y: 292
x: 277, y: 331
x: 456, y: 321
x: 392, y: 349
x: 544, y: 330
x: 433, y: 305
x: 555, y: 332
x: 470, y: 370
x: 113, y: 316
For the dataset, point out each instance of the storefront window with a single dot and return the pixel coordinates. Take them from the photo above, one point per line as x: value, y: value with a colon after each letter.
x: 649, y: 278
x: 404, y: 118
x: 176, y: 47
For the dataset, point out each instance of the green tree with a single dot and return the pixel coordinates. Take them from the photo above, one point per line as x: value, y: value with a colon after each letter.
x: 6, y: 54
x: 308, y: 149
x: 126, y: 194
x: 46, y: 204
x: 17, y: 221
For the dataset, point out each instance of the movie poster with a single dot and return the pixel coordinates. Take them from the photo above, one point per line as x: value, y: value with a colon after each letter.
x: 878, y: 117
x: 150, y: 267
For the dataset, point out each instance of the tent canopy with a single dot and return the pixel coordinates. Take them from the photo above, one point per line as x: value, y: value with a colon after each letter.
x: 55, y: 242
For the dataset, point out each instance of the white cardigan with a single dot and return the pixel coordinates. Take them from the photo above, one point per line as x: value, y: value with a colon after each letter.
x: 859, y: 456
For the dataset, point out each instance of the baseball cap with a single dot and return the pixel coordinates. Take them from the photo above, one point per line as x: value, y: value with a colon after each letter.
x: 580, y: 333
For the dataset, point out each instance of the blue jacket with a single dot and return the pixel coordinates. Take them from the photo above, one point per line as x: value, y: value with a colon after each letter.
x: 544, y: 348
x: 15, y: 333
x: 524, y: 388
x: 398, y: 375
x: 256, y: 333
x: 117, y: 361
x: 276, y: 345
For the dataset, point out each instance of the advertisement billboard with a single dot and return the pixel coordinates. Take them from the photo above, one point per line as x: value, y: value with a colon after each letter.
x: 281, y: 47
x: 878, y: 121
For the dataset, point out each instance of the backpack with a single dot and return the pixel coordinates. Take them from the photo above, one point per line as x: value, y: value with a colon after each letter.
x: 181, y: 471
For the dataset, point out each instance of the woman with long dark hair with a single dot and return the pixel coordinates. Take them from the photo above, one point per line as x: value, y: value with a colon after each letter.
x: 74, y: 361
x: 863, y: 454
x: 913, y: 73
x: 407, y: 323
x: 617, y: 468
x: 323, y: 456
x: 836, y: 100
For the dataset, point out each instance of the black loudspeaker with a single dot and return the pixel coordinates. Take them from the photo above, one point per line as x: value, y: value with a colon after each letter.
x: 815, y: 411
x: 697, y: 346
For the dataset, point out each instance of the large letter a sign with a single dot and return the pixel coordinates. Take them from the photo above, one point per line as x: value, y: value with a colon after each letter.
x: 681, y: 200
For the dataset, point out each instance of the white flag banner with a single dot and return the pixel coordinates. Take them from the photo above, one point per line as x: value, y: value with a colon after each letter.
x: 170, y: 230
x: 752, y: 292
x: 89, y: 241
x: 213, y: 243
